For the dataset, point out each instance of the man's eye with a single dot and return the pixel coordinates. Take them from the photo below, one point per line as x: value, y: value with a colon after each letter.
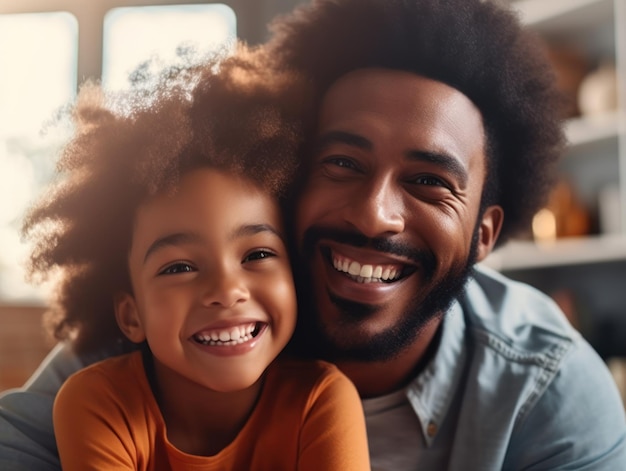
x: 258, y: 255
x: 428, y: 180
x: 177, y: 268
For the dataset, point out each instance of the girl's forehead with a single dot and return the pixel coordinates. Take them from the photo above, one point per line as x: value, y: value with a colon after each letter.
x: 212, y: 194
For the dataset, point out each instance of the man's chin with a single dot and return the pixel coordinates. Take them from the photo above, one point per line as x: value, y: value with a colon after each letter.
x: 352, y: 331
x: 347, y: 330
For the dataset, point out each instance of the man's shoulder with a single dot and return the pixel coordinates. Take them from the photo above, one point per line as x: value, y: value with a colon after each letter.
x: 526, y: 330
x: 520, y: 339
x: 514, y: 317
x: 561, y: 402
x: 59, y: 365
x: 26, y: 432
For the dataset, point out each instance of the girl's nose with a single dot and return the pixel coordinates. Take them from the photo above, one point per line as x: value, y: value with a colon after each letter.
x: 225, y: 290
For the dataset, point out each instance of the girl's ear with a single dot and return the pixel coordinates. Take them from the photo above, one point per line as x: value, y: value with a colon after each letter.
x: 127, y: 316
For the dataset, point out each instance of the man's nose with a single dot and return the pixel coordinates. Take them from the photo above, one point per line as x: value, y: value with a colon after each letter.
x: 378, y: 210
x: 224, y: 288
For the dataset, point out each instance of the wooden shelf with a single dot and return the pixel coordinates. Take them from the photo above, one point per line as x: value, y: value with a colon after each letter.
x: 588, y: 130
x: 518, y: 255
x: 23, y: 344
x: 555, y: 14
x: 588, y: 25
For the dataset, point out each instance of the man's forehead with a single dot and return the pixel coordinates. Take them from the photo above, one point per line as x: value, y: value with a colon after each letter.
x: 402, y: 86
x: 396, y: 97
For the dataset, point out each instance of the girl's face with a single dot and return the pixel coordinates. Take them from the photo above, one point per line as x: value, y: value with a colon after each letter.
x: 213, y: 293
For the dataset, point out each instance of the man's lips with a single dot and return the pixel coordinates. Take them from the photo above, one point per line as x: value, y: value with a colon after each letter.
x: 366, y: 273
x: 365, y: 267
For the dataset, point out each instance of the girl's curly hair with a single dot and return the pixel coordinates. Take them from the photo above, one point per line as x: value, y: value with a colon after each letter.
x: 225, y: 113
x: 475, y: 46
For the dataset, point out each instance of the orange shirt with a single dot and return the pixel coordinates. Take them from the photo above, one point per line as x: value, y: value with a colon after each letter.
x: 308, y: 417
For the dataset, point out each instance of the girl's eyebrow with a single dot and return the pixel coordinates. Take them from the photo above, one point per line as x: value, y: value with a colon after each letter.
x: 252, y: 229
x: 182, y: 238
x: 179, y: 238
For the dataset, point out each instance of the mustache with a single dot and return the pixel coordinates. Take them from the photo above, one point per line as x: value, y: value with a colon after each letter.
x: 387, y: 245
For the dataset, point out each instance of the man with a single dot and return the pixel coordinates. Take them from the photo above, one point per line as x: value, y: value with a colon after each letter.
x: 437, y: 133
x: 436, y: 139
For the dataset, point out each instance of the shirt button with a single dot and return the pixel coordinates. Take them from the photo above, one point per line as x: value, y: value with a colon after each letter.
x: 431, y: 430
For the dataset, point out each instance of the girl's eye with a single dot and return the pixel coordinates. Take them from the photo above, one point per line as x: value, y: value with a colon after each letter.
x: 339, y: 161
x: 177, y: 268
x: 258, y: 255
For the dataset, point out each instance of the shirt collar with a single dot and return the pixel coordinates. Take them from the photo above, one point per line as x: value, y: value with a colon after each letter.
x: 430, y: 394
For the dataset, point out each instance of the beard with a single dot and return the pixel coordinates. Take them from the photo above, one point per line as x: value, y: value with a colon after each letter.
x: 330, y: 342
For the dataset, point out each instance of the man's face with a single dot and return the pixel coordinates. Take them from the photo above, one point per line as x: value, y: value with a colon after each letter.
x: 388, y: 222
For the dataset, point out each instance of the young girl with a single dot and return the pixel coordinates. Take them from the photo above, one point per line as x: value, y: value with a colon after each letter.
x: 164, y: 225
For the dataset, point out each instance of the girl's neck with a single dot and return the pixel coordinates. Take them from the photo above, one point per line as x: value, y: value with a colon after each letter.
x: 199, y: 421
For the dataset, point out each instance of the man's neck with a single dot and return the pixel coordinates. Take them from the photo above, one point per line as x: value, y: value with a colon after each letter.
x: 373, y: 379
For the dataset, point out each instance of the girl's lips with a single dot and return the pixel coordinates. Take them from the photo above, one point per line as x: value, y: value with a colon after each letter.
x: 237, y: 344
x: 228, y: 334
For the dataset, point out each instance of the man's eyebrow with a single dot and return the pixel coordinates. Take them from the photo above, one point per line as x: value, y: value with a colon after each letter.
x: 443, y: 160
x: 179, y: 238
x: 448, y: 162
x: 342, y: 137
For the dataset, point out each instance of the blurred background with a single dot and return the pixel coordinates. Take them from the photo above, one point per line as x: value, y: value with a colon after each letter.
x: 575, y: 249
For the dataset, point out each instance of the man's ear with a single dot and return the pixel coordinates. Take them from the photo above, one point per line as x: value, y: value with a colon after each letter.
x: 488, y: 231
x: 127, y: 316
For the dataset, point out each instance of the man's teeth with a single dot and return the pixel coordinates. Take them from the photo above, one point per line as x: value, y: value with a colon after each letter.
x: 232, y: 336
x: 366, y: 273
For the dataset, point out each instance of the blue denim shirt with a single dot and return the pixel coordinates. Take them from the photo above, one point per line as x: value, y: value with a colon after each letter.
x: 513, y: 386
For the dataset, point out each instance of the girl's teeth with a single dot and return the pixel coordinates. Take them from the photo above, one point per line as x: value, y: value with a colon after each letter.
x: 237, y: 334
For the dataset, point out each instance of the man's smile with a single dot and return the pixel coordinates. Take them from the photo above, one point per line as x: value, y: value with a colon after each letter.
x: 363, y: 274
x: 366, y: 265
x: 366, y: 273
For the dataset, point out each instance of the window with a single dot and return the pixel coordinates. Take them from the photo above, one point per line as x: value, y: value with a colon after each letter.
x: 38, y: 57
x: 38, y: 76
x: 133, y: 35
